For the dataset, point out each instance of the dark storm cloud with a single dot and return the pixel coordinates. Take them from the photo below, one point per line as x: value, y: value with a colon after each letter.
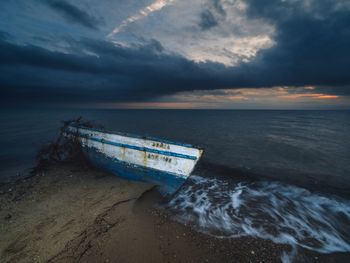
x: 312, y: 44
x: 218, y: 7
x: 73, y: 14
x: 334, y: 90
x: 4, y: 35
x: 41, y: 39
x: 207, y: 20
x: 311, y: 48
x: 108, y: 73
x: 212, y: 15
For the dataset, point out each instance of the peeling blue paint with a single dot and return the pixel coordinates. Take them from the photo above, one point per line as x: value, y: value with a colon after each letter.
x: 168, y: 183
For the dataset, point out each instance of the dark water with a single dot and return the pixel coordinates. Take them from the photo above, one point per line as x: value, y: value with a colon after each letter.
x: 286, y: 145
x: 301, y: 157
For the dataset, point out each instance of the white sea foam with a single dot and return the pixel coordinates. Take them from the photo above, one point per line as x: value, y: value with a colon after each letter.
x: 281, y: 213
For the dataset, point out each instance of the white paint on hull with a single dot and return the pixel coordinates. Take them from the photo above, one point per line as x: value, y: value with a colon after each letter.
x: 151, y: 153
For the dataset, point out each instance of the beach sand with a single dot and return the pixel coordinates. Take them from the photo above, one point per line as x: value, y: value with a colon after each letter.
x: 72, y: 213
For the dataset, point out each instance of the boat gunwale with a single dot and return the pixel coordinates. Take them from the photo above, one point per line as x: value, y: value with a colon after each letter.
x: 146, y: 137
x: 137, y: 148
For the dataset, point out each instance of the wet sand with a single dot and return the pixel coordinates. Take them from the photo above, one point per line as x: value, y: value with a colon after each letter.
x: 71, y: 213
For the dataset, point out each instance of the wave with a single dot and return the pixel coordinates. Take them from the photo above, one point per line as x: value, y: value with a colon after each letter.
x: 269, y: 210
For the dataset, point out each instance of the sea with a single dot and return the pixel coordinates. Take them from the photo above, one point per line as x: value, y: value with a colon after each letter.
x: 277, y: 175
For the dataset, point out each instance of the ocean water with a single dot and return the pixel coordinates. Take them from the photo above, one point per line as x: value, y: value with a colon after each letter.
x: 277, y: 175
x: 282, y: 213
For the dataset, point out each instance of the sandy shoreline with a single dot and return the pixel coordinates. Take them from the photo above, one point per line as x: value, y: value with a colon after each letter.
x: 70, y: 213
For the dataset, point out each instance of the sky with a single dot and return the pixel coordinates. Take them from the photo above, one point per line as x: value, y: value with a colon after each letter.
x: 175, y: 54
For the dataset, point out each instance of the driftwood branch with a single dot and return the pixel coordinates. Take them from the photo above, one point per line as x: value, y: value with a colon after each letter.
x: 63, y: 148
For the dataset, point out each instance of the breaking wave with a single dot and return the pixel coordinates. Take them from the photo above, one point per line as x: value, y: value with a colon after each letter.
x: 282, y: 213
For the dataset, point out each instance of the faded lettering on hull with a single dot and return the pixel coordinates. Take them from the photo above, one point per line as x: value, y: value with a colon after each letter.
x: 161, y: 159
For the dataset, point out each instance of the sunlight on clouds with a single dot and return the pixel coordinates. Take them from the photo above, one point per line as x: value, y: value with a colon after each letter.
x: 277, y: 97
x: 155, y: 6
x: 255, y: 94
x: 245, y: 98
x: 323, y: 96
x: 231, y: 38
x: 311, y: 95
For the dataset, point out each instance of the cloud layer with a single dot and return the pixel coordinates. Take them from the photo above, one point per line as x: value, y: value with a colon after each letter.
x: 74, y: 14
x: 310, y: 48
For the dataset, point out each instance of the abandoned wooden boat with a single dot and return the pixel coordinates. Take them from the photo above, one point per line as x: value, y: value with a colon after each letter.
x: 165, y: 163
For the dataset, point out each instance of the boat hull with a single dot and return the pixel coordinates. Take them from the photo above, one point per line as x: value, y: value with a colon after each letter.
x: 164, y: 163
x: 168, y: 183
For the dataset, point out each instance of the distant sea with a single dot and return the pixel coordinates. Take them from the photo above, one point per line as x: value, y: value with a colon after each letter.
x: 312, y: 146
x: 299, y: 162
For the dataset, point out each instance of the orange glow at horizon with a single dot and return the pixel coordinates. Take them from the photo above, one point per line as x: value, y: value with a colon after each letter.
x: 283, y: 97
x: 309, y: 95
x: 324, y: 96
x: 157, y: 105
